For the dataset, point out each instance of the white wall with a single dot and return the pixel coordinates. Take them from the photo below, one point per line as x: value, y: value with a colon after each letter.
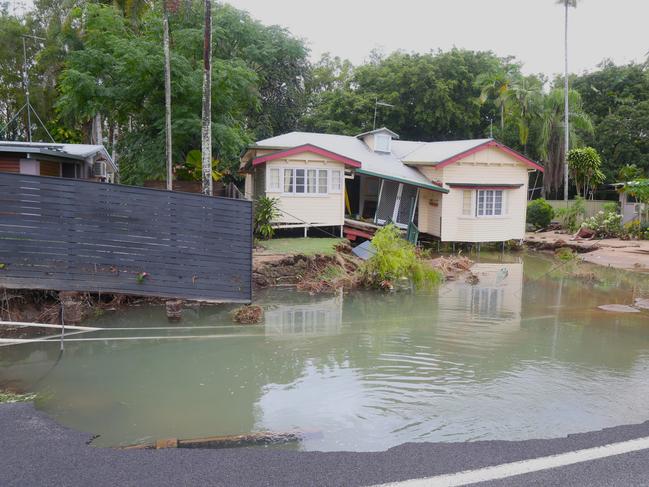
x: 490, y: 166
x: 315, y: 209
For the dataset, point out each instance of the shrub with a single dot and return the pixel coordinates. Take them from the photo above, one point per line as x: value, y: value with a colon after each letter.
x: 266, y: 210
x: 606, y: 223
x: 572, y: 217
x: 539, y: 213
x: 635, y: 229
x: 395, y: 258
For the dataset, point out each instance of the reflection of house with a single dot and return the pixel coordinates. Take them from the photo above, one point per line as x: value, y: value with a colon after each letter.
x: 322, y: 317
x: 77, y: 161
x: 496, y: 298
x: 462, y: 191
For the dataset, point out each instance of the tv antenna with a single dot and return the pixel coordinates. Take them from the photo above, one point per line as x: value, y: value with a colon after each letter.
x: 27, y: 106
x: 378, y: 104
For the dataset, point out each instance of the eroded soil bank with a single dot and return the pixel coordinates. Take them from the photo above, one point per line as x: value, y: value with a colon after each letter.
x: 610, y: 252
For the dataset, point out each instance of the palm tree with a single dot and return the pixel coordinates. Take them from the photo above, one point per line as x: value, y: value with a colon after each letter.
x: 495, y: 85
x: 525, y: 98
x: 206, y: 146
x: 552, y: 140
x: 566, y: 4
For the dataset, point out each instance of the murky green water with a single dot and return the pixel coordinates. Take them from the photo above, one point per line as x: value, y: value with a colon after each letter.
x: 523, y: 354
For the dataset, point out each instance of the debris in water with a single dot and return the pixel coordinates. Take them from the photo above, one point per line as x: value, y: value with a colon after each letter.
x: 619, y: 308
x: 228, y: 441
x: 248, y: 315
x: 642, y: 303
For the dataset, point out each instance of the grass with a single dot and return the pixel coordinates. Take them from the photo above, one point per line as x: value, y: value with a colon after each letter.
x: 307, y: 246
x: 8, y: 397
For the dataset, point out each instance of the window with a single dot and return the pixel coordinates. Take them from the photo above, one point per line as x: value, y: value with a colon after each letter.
x: 306, y: 181
x: 273, y: 179
x: 467, y: 196
x: 382, y: 143
x: 489, y: 203
x: 288, y: 180
x: 322, y: 181
x: 336, y: 181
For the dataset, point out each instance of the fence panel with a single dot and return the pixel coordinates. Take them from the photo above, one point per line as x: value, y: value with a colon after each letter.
x: 592, y: 206
x: 74, y: 235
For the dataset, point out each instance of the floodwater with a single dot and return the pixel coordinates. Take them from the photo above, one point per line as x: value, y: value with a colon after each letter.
x: 523, y: 354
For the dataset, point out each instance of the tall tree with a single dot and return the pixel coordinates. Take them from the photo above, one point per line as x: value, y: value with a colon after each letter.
x: 552, y: 133
x: 166, y: 5
x: 567, y: 4
x: 206, y: 132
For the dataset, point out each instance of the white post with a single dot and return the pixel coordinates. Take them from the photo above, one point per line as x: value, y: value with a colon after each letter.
x: 566, y: 110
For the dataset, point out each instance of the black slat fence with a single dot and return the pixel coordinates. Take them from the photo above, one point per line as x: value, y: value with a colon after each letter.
x: 75, y: 235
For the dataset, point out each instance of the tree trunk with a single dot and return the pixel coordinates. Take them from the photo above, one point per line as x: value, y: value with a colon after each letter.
x: 206, y: 147
x: 502, y: 119
x: 167, y: 75
x: 566, y: 109
x: 97, y: 137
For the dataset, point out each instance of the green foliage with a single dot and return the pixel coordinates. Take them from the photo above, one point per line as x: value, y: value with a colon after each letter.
x: 606, y: 223
x: 629, y: 172
x: 396, y: 259
x: 572, y: 216
x: 266, y: 210
x: 636, y: 229
x: 10, y: 397
x: 585, y: 166
x: 566, y: 254
x: 539, y: 213
x: 192, y: 169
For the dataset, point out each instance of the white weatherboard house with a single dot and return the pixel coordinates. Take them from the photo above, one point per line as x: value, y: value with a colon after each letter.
x: 457, y: 191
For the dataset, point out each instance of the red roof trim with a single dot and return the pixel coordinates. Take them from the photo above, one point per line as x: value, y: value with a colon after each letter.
x: 485, y: 186
x: 306, y: 148
x: 485, y: 145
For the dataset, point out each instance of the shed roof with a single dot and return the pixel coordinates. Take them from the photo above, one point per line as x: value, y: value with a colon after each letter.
x: 65, y: 151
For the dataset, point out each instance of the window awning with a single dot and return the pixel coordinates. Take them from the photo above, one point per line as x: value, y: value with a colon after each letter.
x: 484, y: 186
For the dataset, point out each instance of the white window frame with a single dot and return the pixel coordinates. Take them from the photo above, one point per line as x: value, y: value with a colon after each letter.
x: 280, y: 179
x: 388, y: 143
x: 493, y: 214
x: 340, y: 180
x: 306, y: 193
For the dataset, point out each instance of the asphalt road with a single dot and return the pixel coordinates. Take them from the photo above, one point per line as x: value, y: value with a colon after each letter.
x: 36, y: 451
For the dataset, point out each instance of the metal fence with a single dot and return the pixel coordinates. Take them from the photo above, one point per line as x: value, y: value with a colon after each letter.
x: 74, y: 235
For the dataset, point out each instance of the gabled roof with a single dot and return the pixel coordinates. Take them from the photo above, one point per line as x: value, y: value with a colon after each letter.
x: 398, y: 165
x: 382, y: 165
x: 441, y: 154
x: 79, y: 152
x: 280, y: 154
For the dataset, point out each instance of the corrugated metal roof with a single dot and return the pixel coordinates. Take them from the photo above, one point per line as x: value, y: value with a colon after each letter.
x: 69, y: 151
x: 436, y: 152
x: 384, y: 165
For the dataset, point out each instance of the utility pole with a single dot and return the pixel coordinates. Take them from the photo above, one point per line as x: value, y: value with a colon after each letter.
x: 566, y: 123
x: 26, y: 84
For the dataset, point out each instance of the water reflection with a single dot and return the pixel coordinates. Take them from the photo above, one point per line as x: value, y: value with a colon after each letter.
x: 313, y: 317
x: 523, y: 353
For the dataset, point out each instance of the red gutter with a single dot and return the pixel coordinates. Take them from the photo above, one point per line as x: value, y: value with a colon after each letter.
x: 485, y: 145
x: 281, y: 154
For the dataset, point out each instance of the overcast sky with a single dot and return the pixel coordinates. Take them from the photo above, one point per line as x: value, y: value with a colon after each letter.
x: 531, y: 30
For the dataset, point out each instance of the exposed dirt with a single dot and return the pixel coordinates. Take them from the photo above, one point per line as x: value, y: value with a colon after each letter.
x: 610, y: 252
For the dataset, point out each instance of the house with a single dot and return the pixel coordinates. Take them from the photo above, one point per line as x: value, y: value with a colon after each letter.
x: 77, y: 161
x: 456, y: 191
